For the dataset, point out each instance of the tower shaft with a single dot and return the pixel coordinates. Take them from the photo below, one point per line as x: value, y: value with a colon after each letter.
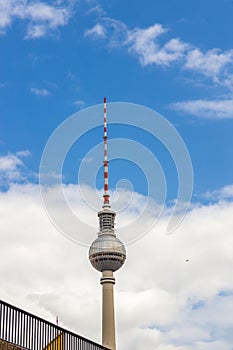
x: 108, y: 319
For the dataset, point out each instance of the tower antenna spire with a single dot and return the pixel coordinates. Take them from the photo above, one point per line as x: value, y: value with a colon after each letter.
x: 106, y: 195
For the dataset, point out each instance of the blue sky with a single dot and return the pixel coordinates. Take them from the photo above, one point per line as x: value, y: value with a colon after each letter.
x: 174, y: 57
x: 59, y: 57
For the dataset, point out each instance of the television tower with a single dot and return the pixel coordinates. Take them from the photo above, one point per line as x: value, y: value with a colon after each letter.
x: 107, y: 254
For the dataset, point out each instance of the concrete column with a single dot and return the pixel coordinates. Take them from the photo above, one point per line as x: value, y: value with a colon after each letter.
x: 108, y: 321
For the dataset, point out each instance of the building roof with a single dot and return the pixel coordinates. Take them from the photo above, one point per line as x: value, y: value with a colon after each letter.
x: 9, y: 346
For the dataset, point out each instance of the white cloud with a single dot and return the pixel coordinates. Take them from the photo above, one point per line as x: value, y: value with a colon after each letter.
x: 13, y: 169
x: 9, y: 162
x: 79, y: 103
x: 223, y: 193
x: 43, y: 19
x: 5, y: 13
x: 209, y: 63
x: 97, y: 10
x: 23, y: 153
x: 143, y: 43
x: 36, y: 31
x: 40, y: 92
x: 97, y: 31
x: 153, y: 46
x: 227, y: 81
x: 162, y: 301
x: 206, y: 109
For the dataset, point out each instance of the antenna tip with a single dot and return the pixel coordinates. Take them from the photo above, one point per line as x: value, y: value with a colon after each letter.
x: 105, y: 99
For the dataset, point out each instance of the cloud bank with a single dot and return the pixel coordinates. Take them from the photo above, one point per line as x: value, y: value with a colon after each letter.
x: 162, y: 300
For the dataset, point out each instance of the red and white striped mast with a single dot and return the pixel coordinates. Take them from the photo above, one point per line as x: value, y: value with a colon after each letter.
x: 106, y: 195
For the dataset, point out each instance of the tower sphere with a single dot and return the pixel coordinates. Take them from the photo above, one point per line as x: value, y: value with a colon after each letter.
x: 107, y: 253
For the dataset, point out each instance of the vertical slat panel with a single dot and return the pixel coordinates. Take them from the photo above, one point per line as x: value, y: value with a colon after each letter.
x: 16, y: 327
x: 5, y: 311
x: 27, y: 331
x: 30, y: 333
x: 2, y: 321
